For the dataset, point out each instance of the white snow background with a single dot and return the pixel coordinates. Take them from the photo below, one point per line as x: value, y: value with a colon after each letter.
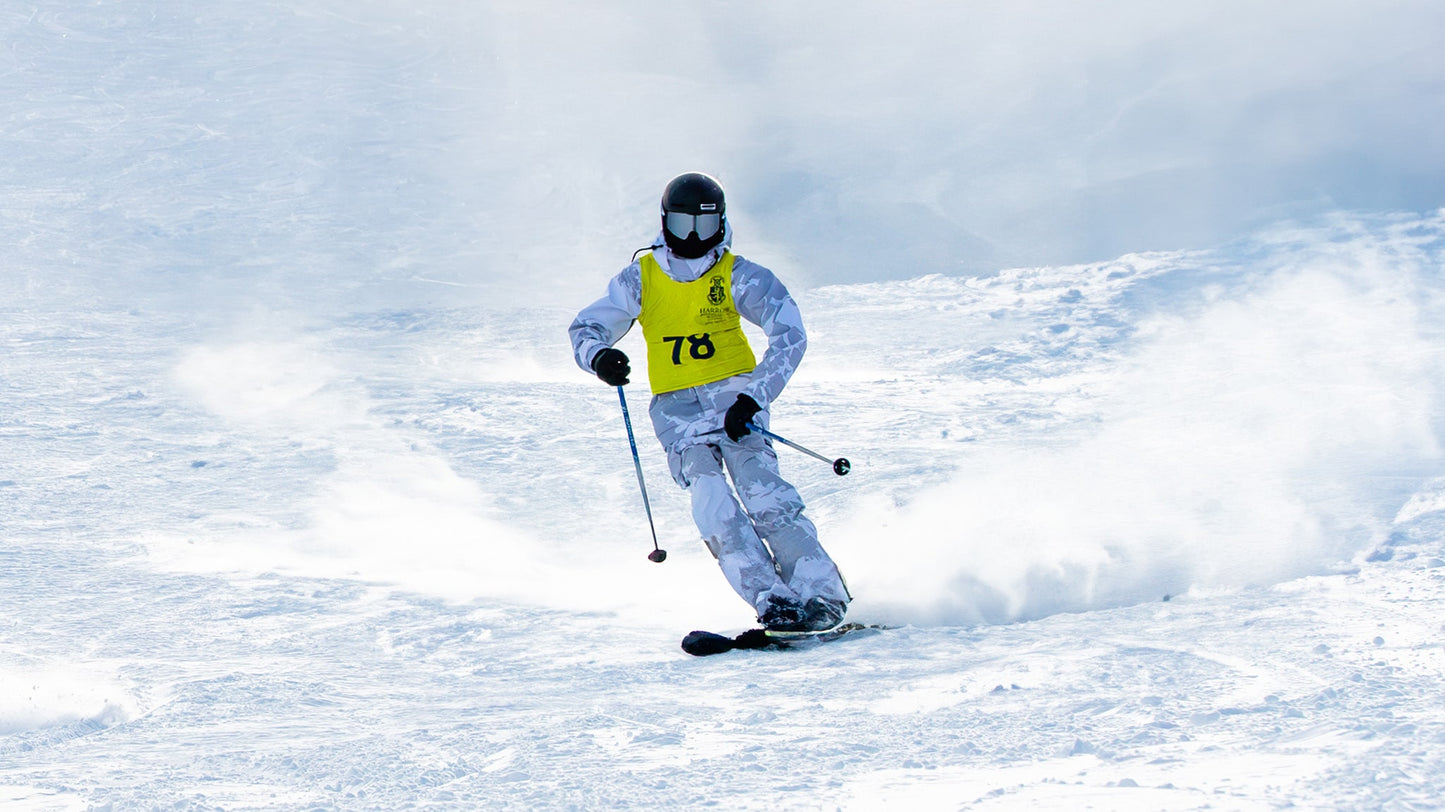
x: 1128, y: 314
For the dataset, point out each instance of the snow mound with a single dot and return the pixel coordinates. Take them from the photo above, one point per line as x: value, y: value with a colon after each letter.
x: 59, y: 700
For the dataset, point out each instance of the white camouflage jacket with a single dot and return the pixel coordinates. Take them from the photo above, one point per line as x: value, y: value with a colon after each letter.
x: 759, y: 297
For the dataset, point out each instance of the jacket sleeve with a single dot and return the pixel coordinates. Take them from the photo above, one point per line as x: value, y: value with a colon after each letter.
x: 763, y: 300
x: 605, y: 321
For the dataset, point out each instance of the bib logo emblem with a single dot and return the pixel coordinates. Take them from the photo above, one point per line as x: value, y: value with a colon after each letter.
x: 716, y: 295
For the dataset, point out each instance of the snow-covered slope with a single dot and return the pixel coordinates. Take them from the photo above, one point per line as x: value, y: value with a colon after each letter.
x: 1155, y: 532
x: 148, y: 689
x: 303, y: 503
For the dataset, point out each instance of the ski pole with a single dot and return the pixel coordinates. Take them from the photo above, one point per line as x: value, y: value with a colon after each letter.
x: 841, y: 466
x: 658, y: 555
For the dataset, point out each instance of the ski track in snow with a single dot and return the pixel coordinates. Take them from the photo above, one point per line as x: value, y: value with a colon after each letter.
x: 200, y: 609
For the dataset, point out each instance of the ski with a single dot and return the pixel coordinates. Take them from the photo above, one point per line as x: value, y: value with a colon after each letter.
x: 703, y: 644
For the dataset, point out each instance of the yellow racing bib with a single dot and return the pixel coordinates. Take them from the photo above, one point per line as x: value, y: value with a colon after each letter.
x: 693, y: 331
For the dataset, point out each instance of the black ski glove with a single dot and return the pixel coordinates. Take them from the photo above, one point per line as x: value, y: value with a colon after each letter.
x: 735, y: 422
x: 611, y: 366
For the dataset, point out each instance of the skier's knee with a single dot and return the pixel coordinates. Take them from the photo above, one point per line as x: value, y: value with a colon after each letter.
x: 772, y: 517
x: 712, y: 499
x: 772, y: 503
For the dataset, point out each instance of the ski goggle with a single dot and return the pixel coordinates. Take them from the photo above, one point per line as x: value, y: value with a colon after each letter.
x: 680, y: 224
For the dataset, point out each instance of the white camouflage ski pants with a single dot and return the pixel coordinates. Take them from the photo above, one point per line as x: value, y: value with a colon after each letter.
x: 754, y: 524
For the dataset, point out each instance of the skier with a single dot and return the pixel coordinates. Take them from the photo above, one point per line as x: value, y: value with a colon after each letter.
x: 688, y: 291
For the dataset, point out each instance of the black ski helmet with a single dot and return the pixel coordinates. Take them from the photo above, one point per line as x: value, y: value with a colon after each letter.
x: 693, y: 215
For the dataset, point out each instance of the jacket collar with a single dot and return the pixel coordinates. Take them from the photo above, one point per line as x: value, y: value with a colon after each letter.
x: 687, y: 270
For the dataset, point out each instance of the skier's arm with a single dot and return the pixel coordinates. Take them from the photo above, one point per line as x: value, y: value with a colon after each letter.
x: 605, y: 321
x: 763, y: 300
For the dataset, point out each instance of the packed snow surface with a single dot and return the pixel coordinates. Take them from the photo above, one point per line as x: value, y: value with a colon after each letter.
x: 304, y: 504
x: 1162, y: 531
